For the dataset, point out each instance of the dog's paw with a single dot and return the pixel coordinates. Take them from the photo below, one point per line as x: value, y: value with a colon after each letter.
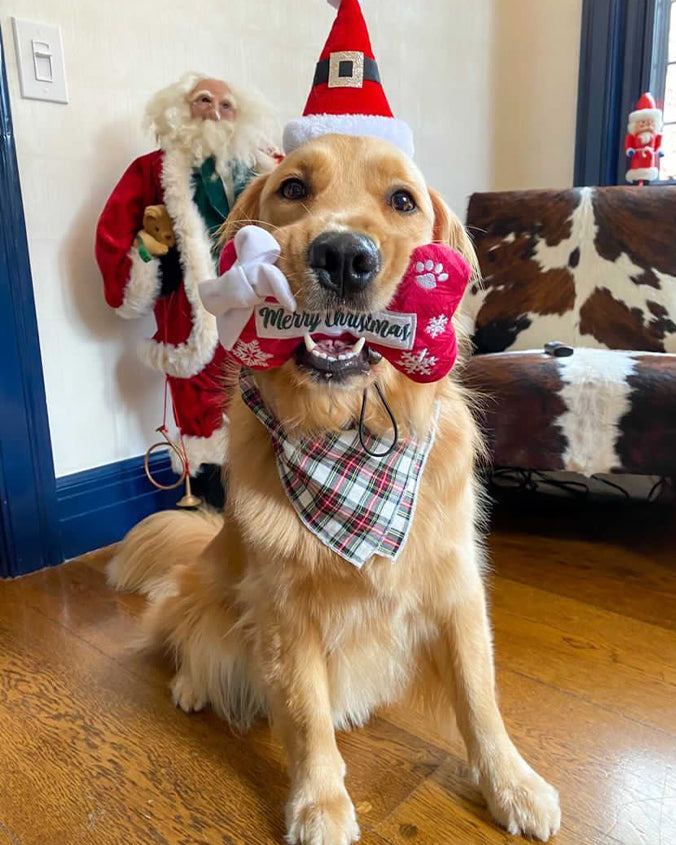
x: 330, y: 820
x: 524, y: 804
x: 185, y: 695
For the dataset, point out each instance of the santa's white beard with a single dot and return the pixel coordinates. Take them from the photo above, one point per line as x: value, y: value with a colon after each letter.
x: 203, y: 138
x: 645, y: 137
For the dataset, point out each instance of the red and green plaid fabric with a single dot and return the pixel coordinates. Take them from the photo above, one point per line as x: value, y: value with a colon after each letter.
x: 356, y: 504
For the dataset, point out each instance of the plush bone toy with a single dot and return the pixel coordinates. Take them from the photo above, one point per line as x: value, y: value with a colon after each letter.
x: 258, y: 322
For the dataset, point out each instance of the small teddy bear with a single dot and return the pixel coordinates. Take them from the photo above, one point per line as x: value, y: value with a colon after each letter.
x: 157, y: 235
x: 157, y: 240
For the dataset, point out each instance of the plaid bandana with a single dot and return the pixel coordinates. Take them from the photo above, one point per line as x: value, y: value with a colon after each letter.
x: 356, y: 504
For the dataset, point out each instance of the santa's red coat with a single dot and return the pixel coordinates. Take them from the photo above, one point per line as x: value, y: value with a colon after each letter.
x: 185, y: 346
x: 643, y: 163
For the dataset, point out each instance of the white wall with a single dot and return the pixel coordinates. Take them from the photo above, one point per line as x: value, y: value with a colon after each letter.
x: 535, y: 72
x: 103, y: 406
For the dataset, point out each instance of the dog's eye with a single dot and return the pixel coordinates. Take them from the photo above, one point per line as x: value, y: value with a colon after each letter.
x: 293, y: 189
x: 403, y: 202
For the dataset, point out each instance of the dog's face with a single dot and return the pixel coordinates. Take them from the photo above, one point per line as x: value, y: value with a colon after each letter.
x: 350, y: 212
x: 347, y: 213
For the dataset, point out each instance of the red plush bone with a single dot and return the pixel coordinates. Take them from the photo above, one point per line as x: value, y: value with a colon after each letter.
x: 431, y: 289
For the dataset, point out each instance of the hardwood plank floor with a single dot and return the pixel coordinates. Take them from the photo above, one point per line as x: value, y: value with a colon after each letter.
x: 584, y: 610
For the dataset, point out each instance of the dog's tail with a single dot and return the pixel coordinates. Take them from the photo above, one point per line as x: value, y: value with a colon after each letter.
x: 161, y: 541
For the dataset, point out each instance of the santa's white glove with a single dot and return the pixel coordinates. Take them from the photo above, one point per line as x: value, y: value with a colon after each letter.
x: 253, y: 277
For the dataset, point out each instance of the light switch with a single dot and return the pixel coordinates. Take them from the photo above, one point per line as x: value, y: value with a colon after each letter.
x: 42, y: 60
x: 39, y: 56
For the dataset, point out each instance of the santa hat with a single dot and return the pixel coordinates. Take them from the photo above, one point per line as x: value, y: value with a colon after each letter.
x: 347, y: 96
x: 646, y: 109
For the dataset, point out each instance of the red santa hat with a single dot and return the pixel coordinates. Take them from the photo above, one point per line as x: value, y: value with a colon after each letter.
x: 646, y: 109
x: 347, y: 96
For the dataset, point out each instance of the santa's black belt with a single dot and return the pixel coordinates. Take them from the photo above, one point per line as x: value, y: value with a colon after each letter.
x: 322, y: 71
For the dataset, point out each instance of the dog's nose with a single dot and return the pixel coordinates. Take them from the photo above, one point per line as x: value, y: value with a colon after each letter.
x: 344, y: 262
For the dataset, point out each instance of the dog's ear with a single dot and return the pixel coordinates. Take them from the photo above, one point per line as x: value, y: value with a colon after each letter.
x: 448, y: 229
x: 244, y: 211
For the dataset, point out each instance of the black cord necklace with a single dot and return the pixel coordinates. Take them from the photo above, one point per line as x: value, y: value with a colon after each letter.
x: 362, y: 429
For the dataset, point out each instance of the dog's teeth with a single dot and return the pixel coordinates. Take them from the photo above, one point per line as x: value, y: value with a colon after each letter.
x: 309, y: 343
x: 331, y: 358
x: 343, y: 357
x: 319, y: 354
x: 359, y: 345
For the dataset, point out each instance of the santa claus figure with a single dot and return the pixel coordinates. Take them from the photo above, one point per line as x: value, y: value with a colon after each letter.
x: 156, y: 241
x: 643, y: 141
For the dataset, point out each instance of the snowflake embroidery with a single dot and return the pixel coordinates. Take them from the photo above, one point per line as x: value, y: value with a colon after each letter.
x: 250, y: 354
x: 437, y: 325
x: 419, y: 362
x: 429, y: 274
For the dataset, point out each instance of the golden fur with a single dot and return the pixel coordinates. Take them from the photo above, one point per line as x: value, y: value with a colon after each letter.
x: 262, y: 617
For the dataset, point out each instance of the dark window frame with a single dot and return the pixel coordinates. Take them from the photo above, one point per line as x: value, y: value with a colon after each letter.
x: 622, y: 45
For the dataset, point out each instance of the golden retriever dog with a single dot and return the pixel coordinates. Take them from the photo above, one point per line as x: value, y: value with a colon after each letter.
x: 265, y: 619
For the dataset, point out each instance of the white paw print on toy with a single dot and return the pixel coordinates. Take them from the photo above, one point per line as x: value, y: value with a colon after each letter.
x: 429, y: 274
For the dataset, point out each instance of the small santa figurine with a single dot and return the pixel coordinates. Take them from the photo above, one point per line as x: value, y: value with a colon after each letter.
x: 156, y: 241
x: 643, y: 141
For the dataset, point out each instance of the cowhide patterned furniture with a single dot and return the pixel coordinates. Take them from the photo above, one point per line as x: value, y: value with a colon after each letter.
x: 594, y: 268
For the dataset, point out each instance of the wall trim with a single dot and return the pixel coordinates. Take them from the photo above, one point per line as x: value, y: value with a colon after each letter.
x: 96, y: 507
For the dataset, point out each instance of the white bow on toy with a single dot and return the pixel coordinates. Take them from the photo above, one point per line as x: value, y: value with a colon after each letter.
x: 253, y: 277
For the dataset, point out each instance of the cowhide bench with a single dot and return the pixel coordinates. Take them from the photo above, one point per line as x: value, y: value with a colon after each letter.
x: 594, y: 268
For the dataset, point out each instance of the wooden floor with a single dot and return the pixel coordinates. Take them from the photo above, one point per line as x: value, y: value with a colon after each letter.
x: 584, y: 608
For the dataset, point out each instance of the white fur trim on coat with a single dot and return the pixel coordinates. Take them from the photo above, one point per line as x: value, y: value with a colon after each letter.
x: 189, y: 358
x: 143, y: 287
x: 296, y: 132
x: 203, y: 450
x: 646, y: 114
x: 645, y: 173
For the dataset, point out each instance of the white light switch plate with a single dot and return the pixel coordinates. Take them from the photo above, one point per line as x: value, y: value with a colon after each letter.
x: 39, y: 56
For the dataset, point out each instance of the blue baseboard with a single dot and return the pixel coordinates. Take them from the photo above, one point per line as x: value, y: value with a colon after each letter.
x: 98, y: 506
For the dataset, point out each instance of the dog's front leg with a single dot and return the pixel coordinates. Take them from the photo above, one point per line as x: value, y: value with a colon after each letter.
x: 319, y: 810
x: 519, y: 799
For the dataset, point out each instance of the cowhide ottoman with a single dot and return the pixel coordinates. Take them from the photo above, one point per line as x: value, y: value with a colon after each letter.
x: 594, y: 268
x: 598, y: 411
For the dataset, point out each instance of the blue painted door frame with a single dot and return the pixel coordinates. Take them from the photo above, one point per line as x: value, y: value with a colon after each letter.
x: 29, y: 533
